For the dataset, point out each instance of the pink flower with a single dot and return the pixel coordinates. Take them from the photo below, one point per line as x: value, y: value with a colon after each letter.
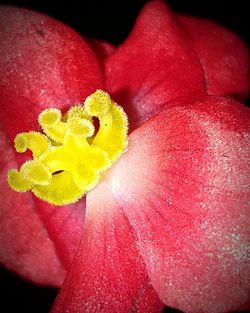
x: 169, y: 222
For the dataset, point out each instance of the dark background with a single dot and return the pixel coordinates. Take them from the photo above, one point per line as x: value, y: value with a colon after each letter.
x: 110, y: 21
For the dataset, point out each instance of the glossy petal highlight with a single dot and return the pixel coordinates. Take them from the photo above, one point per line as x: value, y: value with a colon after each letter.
x: 184, y: 185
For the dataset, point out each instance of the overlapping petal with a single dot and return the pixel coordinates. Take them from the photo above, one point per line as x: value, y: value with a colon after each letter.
x: 43, y: 64
x: 156, y: 65
x: 64, y: 225
x: 25, y: 245
x: 108, y: 274
x: 102, y: 49
x: 184, y: 185
x: 223, y: 56
x: 169, y: 58
x: 171, y: 218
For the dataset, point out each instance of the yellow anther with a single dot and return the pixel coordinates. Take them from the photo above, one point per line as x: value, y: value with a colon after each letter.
x: 61, y: 191
x: 53, y: 127
x: 21, y: 142
x: 17, y: 181
x: 71, y: 156
x: 34, y: 141
x: 112, y: 134
x: 98, y: 103
x: 36, y: 173
x: 50, y: 117
x: 77, y: 111
x: 81, y: 127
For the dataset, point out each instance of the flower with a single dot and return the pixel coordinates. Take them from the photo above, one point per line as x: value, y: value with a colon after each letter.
x: 169, y: 221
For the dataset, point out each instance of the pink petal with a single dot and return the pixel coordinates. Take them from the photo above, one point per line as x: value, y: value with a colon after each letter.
x: 25, y: 246
x: 108, y: 274
x: 224, y: 57
x: 43, y: 64
x: 154, y: 66
x: 184, y: 185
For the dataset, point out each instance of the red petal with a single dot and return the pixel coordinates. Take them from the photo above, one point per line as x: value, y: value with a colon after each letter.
x: 224, y: 58
x: 64, y: 226
x: 184, y: 186
x: 24, y: 243
x: 43, y: 64
x: 102, y: 49
x: 108, y: 274
x: 154, y: 66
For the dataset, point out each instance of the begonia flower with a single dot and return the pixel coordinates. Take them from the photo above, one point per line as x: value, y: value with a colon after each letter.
x: 166, y: 219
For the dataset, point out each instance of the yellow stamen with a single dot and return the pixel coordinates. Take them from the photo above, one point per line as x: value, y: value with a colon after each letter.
x: 36, y: 172
x: 34, y: 141
x: 17, y: 181
x: 70, y: 158
x: 98, y: 103
x: 53, y: 127
x: 77, y: 111
x: 81, y: 128
x: 112, y: 134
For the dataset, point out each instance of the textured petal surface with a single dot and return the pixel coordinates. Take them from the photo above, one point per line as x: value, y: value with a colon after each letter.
x: 155, y: 65
x: 184, y: 185
x: 224, y: 58
x: 108, y: 275
x: 43, y: 64
x: 25, y: 246
x: 64, y: 225
x: 102, y: 49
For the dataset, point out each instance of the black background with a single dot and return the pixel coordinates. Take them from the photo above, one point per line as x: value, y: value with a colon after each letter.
x: 110, y: 21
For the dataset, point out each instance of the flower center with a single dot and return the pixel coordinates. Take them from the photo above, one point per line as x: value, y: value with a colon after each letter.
x: 71, y: 155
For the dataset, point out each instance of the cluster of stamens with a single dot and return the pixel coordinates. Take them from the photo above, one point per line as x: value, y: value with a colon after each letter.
x: 71, y: 155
